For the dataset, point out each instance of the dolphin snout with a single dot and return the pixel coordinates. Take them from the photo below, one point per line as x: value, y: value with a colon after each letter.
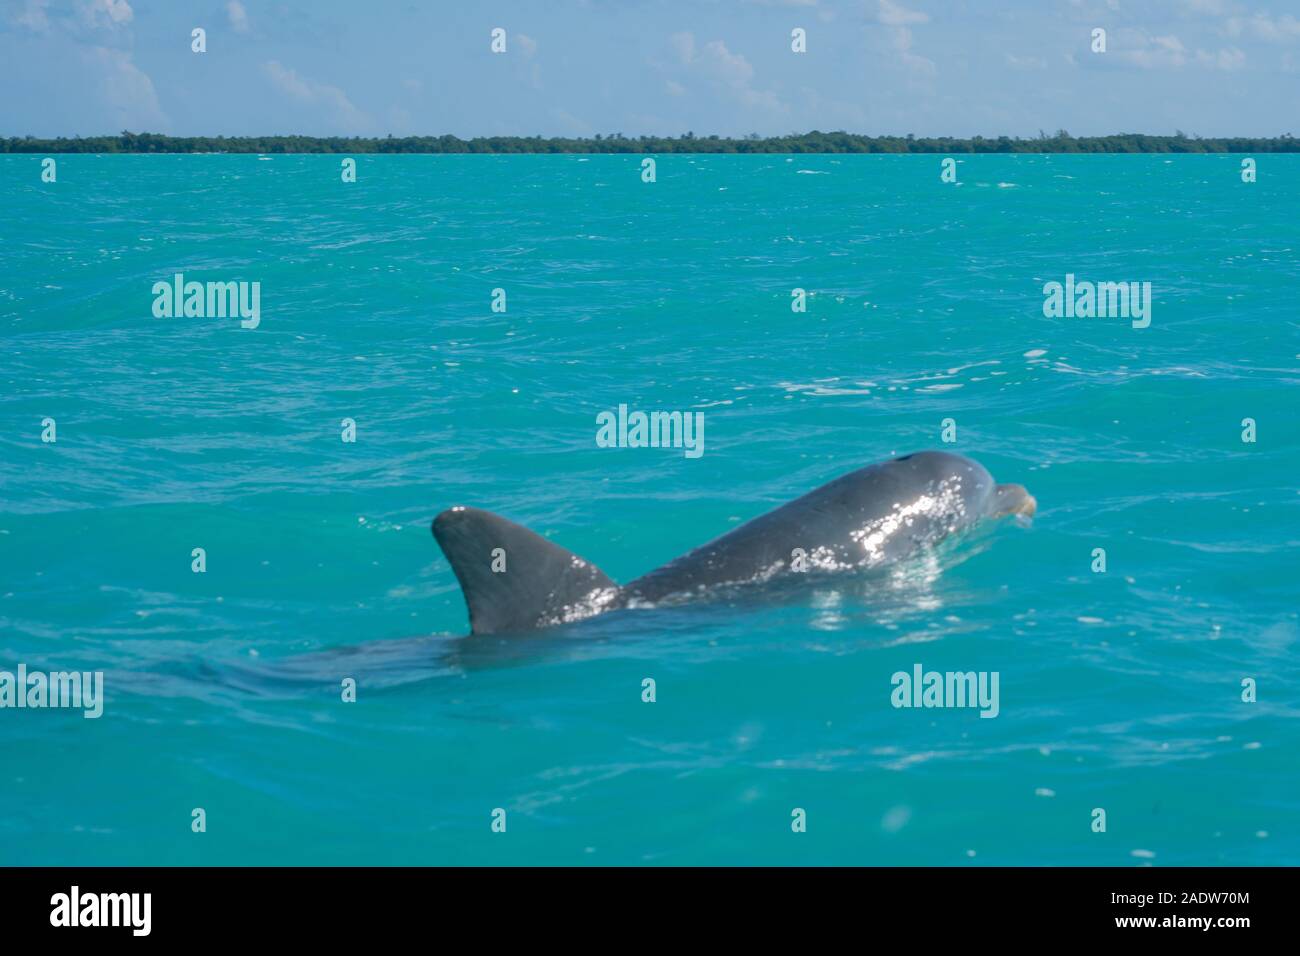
x: 1014, y: 500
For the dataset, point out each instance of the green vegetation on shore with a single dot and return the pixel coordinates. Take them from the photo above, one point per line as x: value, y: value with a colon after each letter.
x: 814, y: 142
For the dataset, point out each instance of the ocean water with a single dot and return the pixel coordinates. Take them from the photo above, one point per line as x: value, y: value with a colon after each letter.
x: 1119, y: 690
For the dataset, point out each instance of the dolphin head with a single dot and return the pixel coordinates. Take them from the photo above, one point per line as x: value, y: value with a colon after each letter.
x: 973, y: 493
x: 1012, y: 500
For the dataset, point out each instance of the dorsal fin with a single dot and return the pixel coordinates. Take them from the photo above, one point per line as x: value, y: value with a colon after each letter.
x: 540, y: 584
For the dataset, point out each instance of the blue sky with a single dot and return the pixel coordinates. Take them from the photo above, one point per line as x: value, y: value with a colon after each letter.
x: 373, y: 67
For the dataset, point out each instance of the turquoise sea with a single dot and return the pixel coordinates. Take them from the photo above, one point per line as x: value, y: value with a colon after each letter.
x: 1119, y: 691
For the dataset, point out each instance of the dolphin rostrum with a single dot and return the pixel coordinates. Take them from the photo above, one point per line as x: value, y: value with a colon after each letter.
x: 869, y: 517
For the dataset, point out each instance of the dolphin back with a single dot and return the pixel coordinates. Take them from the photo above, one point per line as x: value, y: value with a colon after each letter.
x: 514, y: 580
x: 874, y: 515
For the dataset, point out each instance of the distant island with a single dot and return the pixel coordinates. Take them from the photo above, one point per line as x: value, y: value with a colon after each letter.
x: 814, y: 142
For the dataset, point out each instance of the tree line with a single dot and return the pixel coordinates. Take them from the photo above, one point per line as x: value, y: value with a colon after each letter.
x: 813, y: 142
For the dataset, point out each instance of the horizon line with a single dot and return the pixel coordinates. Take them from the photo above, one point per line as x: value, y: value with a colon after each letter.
x: 814, y: 141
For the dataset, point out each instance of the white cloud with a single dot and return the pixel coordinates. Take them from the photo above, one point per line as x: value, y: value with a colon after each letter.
x: 1150, y: 53
x: 731, y: 68
x: 1228, y: 59
x: 674, y: 88
x: 684, y: 45
x: 899, y: 20
x: 112, y: 13
x: 33, y: 17
x: 730, y: 73
x: 124, y: 90
x: 330, y: 98
x: 736, y: 73
x: 1025, y: 62
x: 288, y: 81
x: 238, y: 16
x: 902, y: 38
x: 1283, y: 29
x: 76, y: 18
x: 896, y: 15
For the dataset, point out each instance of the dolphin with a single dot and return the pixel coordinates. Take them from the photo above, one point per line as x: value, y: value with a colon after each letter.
x: 515, y: 581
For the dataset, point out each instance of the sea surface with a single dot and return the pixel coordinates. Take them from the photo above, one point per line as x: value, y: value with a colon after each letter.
x: 1120, y: 690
